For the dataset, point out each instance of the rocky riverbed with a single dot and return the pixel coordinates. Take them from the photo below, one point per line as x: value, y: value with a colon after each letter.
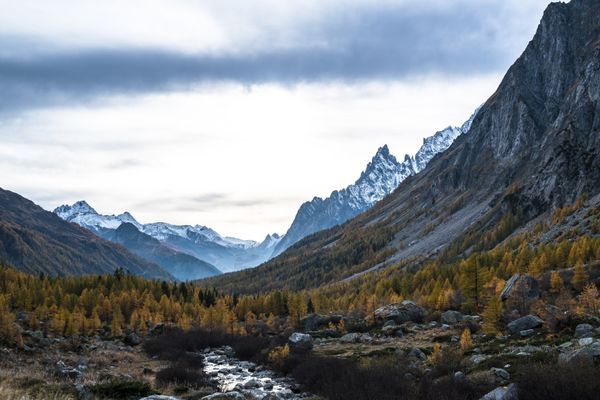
x: 246, y: 380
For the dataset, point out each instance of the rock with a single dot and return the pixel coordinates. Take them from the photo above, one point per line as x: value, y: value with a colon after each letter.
x: 160, y: 397
x: 501, y: 373
x: 356, y: 338
x: 313, y: 322
x: 63, y: 371
x: 132, y: 339
x: 459, y: 376
x: 478, y: 358
x: 225, y: 396
x: 417, y: 353
x: 400, y: 312
x: 584, y: 331
x: 565, y: 345
x: 300, y: 342
x: 586, y: 341
x: 523, y: 323
x: 451, y: 317
x: 526, y: 332
x: 252, y: 384
x: 584, y: 355
x: 502, y: 393
x: 529, y: 283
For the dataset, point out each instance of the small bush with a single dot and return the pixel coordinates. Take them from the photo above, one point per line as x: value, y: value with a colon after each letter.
x: 182, y: 376
x: 175, y: 343
x: 122, y: 389
x: 549, y: 381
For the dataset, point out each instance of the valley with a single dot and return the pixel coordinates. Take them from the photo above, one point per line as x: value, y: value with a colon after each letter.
x: 469, y: 270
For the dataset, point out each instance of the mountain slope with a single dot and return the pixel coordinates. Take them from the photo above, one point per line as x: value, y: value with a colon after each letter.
x: 37, y: 241
x: 534, y: 145
x: 382, y: 175
x: 182, y: 266
x: 200, y: 242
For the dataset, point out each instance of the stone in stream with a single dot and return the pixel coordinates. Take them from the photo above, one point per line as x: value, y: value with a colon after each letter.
x: 225, y: 396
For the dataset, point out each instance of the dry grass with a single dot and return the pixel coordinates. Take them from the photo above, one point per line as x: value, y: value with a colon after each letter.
x: 10, y: 393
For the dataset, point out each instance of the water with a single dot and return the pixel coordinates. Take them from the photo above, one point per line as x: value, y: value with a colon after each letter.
x: 233, y: 375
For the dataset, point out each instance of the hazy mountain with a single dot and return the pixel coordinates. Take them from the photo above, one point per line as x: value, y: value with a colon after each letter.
x: 181, y: 265
x: 534, y: 145
x: 37, y: 241
x: 201, y: 242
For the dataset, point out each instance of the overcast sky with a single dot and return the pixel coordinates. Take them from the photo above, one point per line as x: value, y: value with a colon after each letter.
x: 229, y: 113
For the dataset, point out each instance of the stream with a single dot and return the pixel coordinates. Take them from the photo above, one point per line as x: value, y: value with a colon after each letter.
x: 248, y: 379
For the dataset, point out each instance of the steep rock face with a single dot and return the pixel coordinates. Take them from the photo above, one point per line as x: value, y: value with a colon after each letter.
x: 382, y: 175
x: 181, y: 265
x: 533, y: 145
x: 37, y: 241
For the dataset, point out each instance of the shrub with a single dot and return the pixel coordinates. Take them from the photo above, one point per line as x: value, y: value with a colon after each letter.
x: 122, y: 389
x: 550, y: 381
x: 181, y: 375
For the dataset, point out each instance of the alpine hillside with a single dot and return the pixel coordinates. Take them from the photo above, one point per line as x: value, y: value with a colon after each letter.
x: 533, y: 146
x: 37, y: 241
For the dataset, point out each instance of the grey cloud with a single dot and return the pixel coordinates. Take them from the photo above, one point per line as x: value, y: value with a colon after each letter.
x: 209, y: 201
x: 349, y: 45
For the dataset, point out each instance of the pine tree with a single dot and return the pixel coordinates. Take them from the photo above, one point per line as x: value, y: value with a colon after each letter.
x: 580, y: 276
x: 492, y: 316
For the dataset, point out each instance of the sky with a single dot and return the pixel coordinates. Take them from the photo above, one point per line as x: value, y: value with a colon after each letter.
x: 230, y: 114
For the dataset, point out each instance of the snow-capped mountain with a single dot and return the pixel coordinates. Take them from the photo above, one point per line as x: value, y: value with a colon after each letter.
x: 204, y: 243
x: 382, y: 175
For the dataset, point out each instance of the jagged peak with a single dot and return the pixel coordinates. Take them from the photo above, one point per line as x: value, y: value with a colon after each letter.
x: 79, y: 207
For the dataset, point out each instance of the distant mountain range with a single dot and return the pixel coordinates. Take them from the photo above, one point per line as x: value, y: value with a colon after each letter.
x: 37, y: 241
x: 212, y: 252
x: 382, y: 175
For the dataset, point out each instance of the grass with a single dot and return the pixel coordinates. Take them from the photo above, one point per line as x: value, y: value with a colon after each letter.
x: 12, y: 393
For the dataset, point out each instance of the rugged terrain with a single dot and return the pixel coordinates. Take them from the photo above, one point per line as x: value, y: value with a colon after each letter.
x: 534, y: 145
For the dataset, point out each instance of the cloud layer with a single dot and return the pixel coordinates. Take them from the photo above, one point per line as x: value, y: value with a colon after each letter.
x: 387, y: 42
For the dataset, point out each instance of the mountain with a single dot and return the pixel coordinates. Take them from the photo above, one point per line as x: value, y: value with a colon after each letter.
x: 200, y: 242
x: 533, y: 146
x: 182, y: 266
x: 37, y: 241
x: 382, y: 175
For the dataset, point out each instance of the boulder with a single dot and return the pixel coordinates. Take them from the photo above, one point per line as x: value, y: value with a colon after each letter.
x: 300, y: 342
x: 586, y: 341
x: 314, y: 322
x: 159, y: 397
x: 407, y: 311
x: 225, y: 396
x: 527, y: 333
x: 132, y: 339
x: 451, y: 317
x: 529, y: 283
x: 356, y: 338
x: 391, y: 328
x: 503, y: 393
x: 501, y: 373
x: 523, y: 323
x: 584, y: 331
x: 584, y: 355
x: 417, y: 353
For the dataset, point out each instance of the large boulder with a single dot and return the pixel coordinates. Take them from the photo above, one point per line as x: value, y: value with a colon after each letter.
x: 527, y: 282
x: 503, y: 393
x: 400, y: 312
x: 451, y: 317
x: 584, y: 331
x: 580, y: 356
x: 524, y: 323
x: 300, y: 342
x: 159, y: 397
x: 313, y: 322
